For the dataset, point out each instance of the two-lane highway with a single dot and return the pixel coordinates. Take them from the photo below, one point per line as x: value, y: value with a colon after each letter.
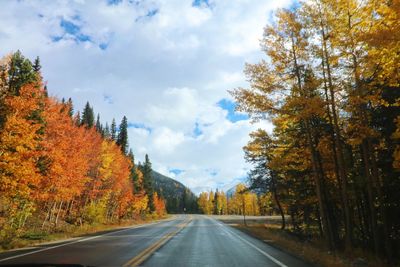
x: 187, y: 240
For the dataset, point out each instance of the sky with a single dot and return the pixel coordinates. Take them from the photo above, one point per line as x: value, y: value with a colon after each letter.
x: 165, y: 64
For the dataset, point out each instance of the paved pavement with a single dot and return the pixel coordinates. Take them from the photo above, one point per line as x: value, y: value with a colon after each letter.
x: 186, y: 240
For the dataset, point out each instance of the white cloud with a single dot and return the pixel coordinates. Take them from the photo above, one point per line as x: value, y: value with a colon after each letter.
x: 162, y: 63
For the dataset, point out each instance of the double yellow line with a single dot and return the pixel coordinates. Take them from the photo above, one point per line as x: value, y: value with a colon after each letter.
x: 145, y: 254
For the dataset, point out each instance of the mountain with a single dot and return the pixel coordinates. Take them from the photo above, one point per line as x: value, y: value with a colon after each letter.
x: 179, y: 198
x: 231, y: 191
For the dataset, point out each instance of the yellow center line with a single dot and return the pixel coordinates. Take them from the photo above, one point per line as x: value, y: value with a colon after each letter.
x: 145, y: 254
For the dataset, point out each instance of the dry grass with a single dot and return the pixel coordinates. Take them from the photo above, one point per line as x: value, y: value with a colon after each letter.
x: 310, y: 251
x: 38, y: 236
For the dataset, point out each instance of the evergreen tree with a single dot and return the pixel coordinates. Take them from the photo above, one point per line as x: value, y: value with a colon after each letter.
x: 87, y: 116
x: 113, y: 130
x: 36, y: 65
x: 99, y: 127
x: 46, y: 92
x: 36, y: 68
x: 134, y: 175
x: 122, y: 139
x: 71, y: 107
x: 216, y: 204
x: 148, y: 181
x: 106, y: 131
x: 78, y: 119
x: 21, y: 72
x: 131, y: 157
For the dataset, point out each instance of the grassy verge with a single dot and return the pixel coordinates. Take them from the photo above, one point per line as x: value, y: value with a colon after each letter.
x: 37, y: 236
x: 310, y: 251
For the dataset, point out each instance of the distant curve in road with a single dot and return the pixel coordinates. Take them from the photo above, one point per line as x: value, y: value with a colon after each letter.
x: 186, y: 240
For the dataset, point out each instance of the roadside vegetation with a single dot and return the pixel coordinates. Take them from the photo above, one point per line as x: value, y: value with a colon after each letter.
x: 330, y: 85
x: 63, y: 171
x: 240, y: 202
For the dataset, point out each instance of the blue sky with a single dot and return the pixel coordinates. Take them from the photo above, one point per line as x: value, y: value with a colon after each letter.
x: 165, y: 64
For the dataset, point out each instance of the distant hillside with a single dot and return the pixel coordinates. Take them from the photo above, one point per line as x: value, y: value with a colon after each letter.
x: 231, y: 191
x: 177, y: 196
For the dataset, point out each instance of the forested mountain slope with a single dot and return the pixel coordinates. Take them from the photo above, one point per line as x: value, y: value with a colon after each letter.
x: 177, y: 196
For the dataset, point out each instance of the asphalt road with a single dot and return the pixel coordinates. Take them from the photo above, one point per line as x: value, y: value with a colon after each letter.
x: 186, y: 240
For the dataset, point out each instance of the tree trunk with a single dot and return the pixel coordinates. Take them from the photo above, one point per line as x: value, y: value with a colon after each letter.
x: 371, y: 198
x: 382, y: 206
x: 278, y: 203
x: 317, y: 173
x: 342, y: 178
x: 58, y: 213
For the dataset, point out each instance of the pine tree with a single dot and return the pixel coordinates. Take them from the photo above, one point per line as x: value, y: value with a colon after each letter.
x: 77, y: 119
x: 46, y: 91
x: 134, y: 174
x: 87, y: 116
x: 106, y: 132
x: 122, y: 139
x: 148, y: 181
x: 71, y: 107
x: 99, y: 127
x: 20, y: 73
x: 36, y: 65
x: 216, y: 204
x: 113, y: 130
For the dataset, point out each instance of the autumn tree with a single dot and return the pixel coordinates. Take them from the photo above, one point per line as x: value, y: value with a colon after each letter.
x: 330, y: 87
x: 19, y: 156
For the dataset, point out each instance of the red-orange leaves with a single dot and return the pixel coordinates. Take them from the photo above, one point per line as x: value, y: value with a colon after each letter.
x: 19, y: 142
x: 66, y: 149
x: 159, y: 205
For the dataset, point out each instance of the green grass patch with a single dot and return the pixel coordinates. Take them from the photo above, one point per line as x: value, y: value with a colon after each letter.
x: 34, y: 235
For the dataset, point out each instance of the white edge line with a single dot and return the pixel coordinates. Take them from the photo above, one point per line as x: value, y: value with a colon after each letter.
x: 224, y: 228
x: 77, y: 241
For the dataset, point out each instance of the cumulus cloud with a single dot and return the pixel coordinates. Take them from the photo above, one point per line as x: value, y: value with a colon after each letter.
x: 165, y: 64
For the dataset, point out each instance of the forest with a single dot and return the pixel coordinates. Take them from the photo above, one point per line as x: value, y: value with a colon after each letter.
x: 241, y: 202
x: 178, y: 198
x: 59, y: 167
x: 330, y: 84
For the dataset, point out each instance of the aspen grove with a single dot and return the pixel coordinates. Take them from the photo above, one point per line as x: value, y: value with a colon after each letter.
x: 330, y: 84
x: 58, y: 168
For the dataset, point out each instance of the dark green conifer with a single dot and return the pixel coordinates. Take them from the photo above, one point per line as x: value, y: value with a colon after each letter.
x: 21, y: 72
x: 99, y: 127
x: 87, y: 116
x: 106, y: 132
x: 36, y: 65
x: 78, y: 119
x: 71, y: 107
x: 134, y: 176
x: 148, y: 181
x: 113, y: 130
x: 122, y: 139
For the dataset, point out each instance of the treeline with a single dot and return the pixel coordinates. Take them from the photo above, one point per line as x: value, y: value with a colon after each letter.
x: 60, y: 167
x: 241, y: 202
x: 331, y: 87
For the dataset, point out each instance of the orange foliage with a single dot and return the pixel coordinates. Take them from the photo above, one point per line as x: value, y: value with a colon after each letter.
x: 19, y: 142
x: 159, y: 205
x: 47, y: 160
x: 66, y: 149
